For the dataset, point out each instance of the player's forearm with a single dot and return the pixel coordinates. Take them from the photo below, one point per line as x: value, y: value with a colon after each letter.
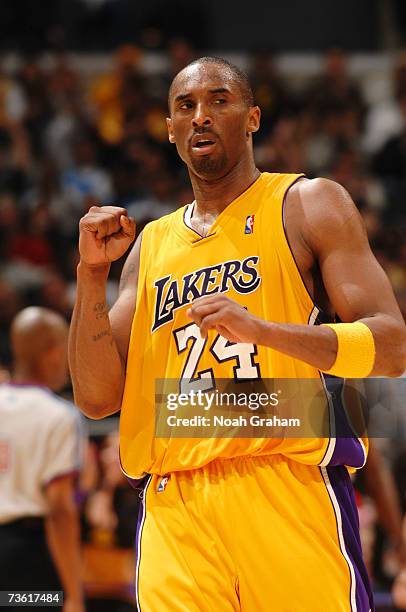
x: 96, y: 367
x: 63, y: 539
x: 317, y: 345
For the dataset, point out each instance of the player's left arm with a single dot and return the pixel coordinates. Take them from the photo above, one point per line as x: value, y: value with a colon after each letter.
x: 357, y: 287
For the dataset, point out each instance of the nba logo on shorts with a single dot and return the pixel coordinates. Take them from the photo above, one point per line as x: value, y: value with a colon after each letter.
x: 162, y: 484
x: 249, y: 225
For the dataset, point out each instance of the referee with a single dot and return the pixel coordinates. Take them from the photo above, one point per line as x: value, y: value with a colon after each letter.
x: 39, y: 461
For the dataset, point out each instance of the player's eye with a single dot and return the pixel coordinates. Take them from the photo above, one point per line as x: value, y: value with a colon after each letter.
x: 219, y: 101
x: 185, y: 105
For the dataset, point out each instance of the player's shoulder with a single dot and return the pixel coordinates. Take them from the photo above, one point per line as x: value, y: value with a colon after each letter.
x: 328, y: 215
x: 323, y: 202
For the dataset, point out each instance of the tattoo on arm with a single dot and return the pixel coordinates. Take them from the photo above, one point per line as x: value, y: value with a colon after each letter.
x: 102, y: 310
x: 101, y: 335
x: 127, y: 272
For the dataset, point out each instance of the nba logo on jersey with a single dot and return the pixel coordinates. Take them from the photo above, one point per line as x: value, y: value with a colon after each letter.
x: 162, y: 484
x: 249, y: 225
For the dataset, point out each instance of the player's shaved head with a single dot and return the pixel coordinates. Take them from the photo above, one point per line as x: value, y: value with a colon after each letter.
x: 231, y: 71
x: 34, y: 331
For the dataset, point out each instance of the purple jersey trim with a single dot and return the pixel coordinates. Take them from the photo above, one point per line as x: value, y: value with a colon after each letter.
x: 348, y: 523
x: 348, y: 449
x: 142, y: 485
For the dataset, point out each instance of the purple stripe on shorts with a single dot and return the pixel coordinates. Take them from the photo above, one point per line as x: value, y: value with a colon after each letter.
x: 141, y: 485
x: 344, y: 492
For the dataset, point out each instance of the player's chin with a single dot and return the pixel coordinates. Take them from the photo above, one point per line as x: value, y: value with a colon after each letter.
x: 209, y: 166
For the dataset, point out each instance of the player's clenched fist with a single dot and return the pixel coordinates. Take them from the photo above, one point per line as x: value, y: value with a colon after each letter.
x: 105, y: 233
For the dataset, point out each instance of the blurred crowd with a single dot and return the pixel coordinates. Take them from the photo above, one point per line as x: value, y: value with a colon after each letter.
x: 68, y: 141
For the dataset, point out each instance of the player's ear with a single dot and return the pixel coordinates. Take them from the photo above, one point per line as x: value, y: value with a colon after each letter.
x: 254, y: 119
x: 171, y: 135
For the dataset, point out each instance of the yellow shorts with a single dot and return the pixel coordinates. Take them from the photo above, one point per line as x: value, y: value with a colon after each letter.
x: 253, y: 534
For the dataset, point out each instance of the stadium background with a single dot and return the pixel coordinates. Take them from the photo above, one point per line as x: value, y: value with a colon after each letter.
x: 83, y: 89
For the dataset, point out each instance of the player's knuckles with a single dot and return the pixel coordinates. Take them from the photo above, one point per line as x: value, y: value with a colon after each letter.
x: 103, y: 227
x: 224, y: 300
x: 111, y: 225
x: 93, y: 210
x: 92, y: 222
x: 197, y: 310
x: 113, y: 211
x: 211, y: 320
x: 116, y: 211
x: 204, y: 299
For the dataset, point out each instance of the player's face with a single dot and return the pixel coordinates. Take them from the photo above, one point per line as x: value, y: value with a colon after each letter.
x: 210, y: 121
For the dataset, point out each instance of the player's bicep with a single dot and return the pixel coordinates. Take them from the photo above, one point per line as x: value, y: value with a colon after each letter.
x: 355, y: 282
x: 122, y: 313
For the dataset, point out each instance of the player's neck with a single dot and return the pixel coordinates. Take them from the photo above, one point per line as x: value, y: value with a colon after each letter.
x: 213, y: 196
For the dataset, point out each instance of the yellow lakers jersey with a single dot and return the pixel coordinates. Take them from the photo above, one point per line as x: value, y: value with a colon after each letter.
x: 246, y: 256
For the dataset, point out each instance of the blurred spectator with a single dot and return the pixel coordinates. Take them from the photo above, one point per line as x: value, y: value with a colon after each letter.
x: 390, y: 160
x: 160, y: 201
x: 180, y: 54
x: 335, y: 86
x: 14, y: 159
x: 110, y: 518
x: 347, y: 169
x: 31, y: 243
x: 117, y: 94
x: 384, y: 118
x: 66, y: 124
x: 269, y: 91
x: 283, y: 150
x: 63, y: 79
x: 85, y: 183
x: 54, y: 294
x: 12, y: 99
x: 33, y: 81
x: 10, y: 303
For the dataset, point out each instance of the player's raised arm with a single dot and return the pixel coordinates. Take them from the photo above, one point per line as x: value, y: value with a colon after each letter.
x: 98, y: 339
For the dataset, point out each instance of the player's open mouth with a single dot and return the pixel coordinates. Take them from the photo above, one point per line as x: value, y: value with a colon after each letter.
x: 203, y: 146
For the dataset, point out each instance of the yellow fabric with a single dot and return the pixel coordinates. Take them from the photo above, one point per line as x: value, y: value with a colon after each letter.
x: 196, y: 550
x: 356, y: 350
x: 170, y: 253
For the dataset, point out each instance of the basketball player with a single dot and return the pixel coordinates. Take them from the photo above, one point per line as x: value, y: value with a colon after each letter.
x: 39, y: 451
x: 231, y: 285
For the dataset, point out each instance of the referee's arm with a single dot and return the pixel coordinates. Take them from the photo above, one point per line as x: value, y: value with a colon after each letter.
x: 63, y: 539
